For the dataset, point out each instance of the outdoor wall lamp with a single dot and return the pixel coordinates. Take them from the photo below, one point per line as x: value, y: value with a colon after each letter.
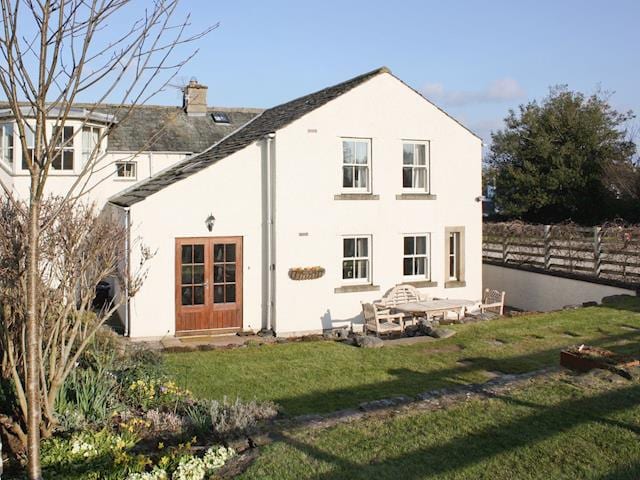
x: 210, y: 222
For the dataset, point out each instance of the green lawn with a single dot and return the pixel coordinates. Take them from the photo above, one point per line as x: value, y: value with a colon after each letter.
x: 551, y: 429
x: 310, y: 377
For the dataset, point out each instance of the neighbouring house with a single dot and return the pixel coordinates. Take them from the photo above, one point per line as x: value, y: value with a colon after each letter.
x: 288, y: 218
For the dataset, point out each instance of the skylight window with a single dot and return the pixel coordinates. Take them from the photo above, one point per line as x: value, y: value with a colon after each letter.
x: 220, y: 117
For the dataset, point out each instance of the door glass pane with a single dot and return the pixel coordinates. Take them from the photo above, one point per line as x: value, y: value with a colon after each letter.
x: 218, y: 252
x: 198, y: 295
x: 187, y: 298
x: 187, y: 274
x: 230, y: 253
x: 187, y: 253
x: 230, y: 272
x: 230, y: 293
x: 218, y: 294
x: 198, y: 274
x: 198, y: 254
x: 218, y: 274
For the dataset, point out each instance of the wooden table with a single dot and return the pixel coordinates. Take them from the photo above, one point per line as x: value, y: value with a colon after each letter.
x: 434, y: 307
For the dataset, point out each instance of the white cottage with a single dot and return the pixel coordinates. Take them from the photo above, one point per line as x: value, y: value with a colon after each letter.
x: 366, y: 180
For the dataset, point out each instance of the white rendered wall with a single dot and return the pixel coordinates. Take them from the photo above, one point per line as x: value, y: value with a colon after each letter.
x: 539, y: 292
x: 231, y: 190
x: 308, y: 175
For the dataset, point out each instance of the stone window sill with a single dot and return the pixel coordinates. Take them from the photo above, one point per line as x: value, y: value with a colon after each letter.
x: 421, y: 283
x: 356, y: 196
x: 455, y: 284
x: 416, y: 196
x: 357, y: 288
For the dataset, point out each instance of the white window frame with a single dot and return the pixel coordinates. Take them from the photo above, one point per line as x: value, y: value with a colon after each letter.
x: 344, y: 165
x: 453, y: 253
x: 65, y: 145
x: 426, y: 167
x: 414, y: 256
x: 368, y: 257
x: 126, y: 163
x: 86, y: 149
x: 4, y: 149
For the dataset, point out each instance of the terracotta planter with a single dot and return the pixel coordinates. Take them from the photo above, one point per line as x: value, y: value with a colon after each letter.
x: 306, y: 273
x: 595, y: 358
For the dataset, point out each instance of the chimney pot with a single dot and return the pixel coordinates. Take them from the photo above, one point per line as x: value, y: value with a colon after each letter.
x: 194, y: 99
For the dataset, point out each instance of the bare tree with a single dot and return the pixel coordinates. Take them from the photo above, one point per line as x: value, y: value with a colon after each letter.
x: 53, y: 51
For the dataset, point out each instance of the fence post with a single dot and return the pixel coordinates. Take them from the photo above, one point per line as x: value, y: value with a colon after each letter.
x: 547, y: 247
x: 597, y: 251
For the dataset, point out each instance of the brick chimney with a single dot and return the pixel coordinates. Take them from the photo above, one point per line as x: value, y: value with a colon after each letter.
x: 194, y: 100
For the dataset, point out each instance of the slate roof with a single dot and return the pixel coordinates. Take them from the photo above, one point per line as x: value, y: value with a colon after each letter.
x: 170, y: 129
x: 157, y: 128
x: 269, y: 121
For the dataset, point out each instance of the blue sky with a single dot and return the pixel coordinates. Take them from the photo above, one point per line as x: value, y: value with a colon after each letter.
x: 475, y: 59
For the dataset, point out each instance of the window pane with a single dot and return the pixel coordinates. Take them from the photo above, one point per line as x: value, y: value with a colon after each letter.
x: 29, y: 137
x: 187, y: 274
x: 348, y: 152
x: 56, y: 163
x: 407, y: 153
x: 407, y: 177
x: 67, y: 156
x: 198, y: 295
x: 218, y: 274
x: 230, y: 293
x: 230, y: 272
x: 421, y: 245
x: 198, y: 274
x: 230, y: 253
x: 420, y: 266
x: 362, y: 153
x: 198, y: 254
x: 452, y: 266
x: 187, y: 297
x: 407, y: 266
x: 347, y: 177
x: 347, y: 269
x: 363, y: 247
x: 218, y: 294
x: 419, y: 177
x: 408, y: 246
x: 349, y: 247
x: 452, y: 243
x: 218, y: 253
x: 362, y: 268
x: 68, y: 133
x: 420, y: 155
x: 187, y: 254
x: 362, y: 177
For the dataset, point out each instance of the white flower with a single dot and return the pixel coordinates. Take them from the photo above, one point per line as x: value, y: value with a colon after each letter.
x: 85, y: 449
x: 190, y: 468
x: 156, y: 474
x: 216, y: 457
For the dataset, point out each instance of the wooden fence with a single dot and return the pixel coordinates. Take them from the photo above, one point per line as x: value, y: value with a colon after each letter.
x: 609, y: 251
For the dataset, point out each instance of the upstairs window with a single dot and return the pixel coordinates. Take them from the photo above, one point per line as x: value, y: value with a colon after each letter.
x: 90, y: 138
x: 356, y: 165
x: 63, y: 159
x: 126, y: 170
x: 31, y: 145
x: 356, y: 259
x: 415, y: 261
x: 415, y: 166
x: 6, y: 143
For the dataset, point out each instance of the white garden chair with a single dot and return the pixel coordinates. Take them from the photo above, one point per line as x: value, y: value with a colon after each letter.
x: 492, y: 301
x: 381, y: 320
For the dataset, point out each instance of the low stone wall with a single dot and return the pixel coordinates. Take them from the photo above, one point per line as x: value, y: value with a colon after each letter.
x: 530, y: 290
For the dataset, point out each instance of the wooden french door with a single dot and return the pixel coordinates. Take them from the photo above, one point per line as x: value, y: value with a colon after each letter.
x: 208, y: 284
